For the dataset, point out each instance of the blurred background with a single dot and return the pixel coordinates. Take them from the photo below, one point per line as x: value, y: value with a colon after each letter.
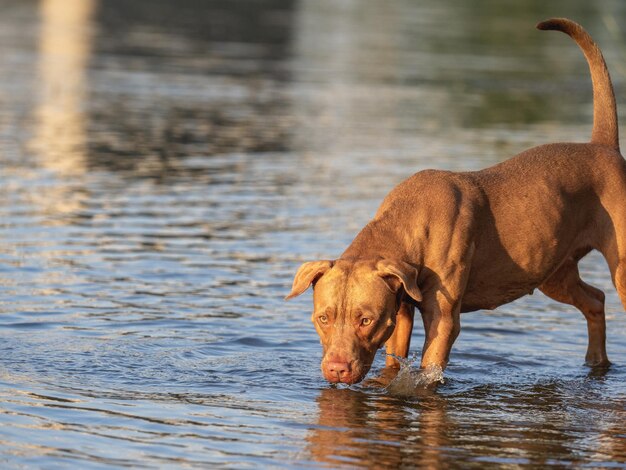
x: 134, y: 85
x: 166, y: 165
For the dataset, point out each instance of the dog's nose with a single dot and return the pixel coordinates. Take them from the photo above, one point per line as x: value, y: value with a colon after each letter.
x: 339, y: 368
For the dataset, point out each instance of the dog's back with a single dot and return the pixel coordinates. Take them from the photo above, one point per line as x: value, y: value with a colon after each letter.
x: 554, y: 202
x: 533, y: 211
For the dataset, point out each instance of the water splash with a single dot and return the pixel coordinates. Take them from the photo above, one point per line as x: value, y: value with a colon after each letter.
x: 411, y: 379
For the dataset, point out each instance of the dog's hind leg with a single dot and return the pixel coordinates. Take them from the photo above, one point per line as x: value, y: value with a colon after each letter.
x: 613, y: 244
x: 566, y: 286
x: 619, y: 280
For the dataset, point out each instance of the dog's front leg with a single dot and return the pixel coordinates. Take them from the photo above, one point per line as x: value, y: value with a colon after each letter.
x: 441, y: 328
x: 400, y: 341
x: 441, y: 308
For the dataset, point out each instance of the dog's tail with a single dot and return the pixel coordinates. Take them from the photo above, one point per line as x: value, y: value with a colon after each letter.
x: 605, y: 130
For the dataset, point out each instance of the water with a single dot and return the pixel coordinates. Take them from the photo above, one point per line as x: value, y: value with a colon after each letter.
x: 165, y: 167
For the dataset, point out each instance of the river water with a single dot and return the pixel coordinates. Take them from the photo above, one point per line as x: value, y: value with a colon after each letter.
x: 166, y: 166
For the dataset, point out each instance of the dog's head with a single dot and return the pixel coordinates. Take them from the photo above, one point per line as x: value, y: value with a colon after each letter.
x: 354, y: 309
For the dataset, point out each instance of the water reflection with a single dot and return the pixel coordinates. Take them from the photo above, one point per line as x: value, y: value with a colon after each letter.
x: 210, y: 80
x: 358, y: 428
x: 542, y: 424
x: 64, y: 53
x: 59, y: 126
x: 314, y: 77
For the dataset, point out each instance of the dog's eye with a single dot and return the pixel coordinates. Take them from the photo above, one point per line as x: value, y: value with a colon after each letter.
x: 323, y: 319
x: 366, y: 321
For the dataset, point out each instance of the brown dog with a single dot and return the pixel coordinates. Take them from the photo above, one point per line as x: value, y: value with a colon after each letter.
x: 451, y: 242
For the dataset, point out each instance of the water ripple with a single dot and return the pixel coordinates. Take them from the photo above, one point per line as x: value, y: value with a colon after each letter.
x: 162, y: 179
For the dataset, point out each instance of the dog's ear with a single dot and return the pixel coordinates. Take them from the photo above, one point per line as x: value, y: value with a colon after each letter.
x: 308, y: 274
x: 398, y: 274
